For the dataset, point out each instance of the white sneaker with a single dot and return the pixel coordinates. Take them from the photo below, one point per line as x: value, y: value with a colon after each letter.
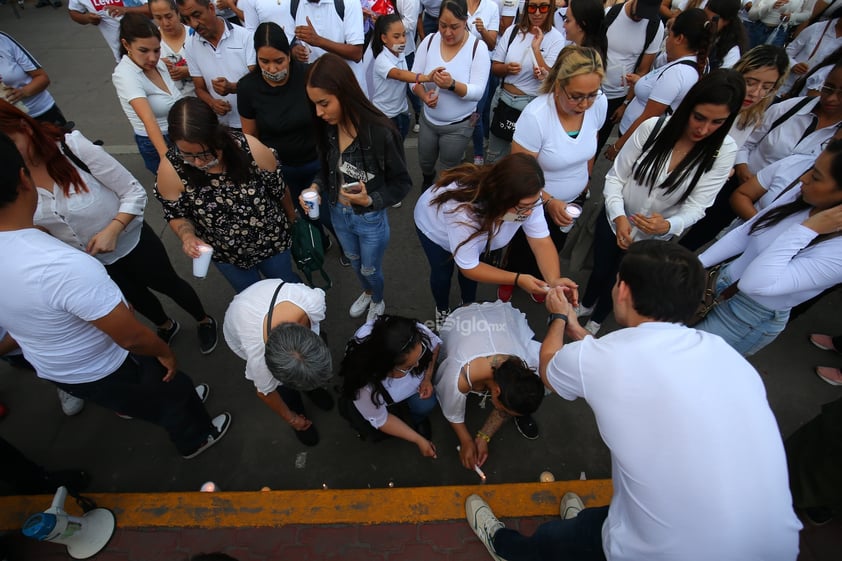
x: 376, y: 310
x: 70, y: 405
x: 483, y: 523
x: 416, y: 127
x: 582, y: 310
x: 593, y: 327
x: 360, y: 305
x: 571, y: 506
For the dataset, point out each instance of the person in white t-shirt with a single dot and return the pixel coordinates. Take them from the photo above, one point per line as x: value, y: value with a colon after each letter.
x: 522, y: 59
x: 391, y: 361
x: 256, y: 12
x: 71, y: 322
x: 275, y: 327
x: 656, y: 391
x: 26, y: 82
x: 320, y: 29
x: 219, y: 54
x: 106, y: 16
x: 174, y: 35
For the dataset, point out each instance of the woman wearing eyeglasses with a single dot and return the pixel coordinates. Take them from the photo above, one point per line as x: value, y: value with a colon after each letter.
x: 473, y: 211
x: 663, y: 179
x: 660, y: 91
x: 560, y: 128
x: 224, y: 189
x: 391, y: 361
x: 521, y: 59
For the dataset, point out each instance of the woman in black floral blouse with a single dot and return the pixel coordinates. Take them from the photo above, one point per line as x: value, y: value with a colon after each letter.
x: 224, y: 189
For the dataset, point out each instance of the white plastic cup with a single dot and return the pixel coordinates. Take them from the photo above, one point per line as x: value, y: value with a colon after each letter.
x: 201, y: 264
x: 574, y: 211
x: 311, y: 200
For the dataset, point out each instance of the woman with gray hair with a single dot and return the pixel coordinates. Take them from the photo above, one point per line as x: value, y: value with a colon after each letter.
x: 274, y: 326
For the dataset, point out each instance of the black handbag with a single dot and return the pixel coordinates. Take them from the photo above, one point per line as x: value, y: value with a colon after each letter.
x: 503, y: 121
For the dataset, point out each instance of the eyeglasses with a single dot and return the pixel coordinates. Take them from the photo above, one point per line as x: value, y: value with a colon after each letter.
x: 830, y: 90
x: 524, y: 209
x: 202, y: 156
x: 753, y: 83
x: 541, y: 8
x: 590, y: 98
x: 414, y: 366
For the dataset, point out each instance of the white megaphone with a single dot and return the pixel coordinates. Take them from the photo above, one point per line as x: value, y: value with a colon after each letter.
x: 84, y: 536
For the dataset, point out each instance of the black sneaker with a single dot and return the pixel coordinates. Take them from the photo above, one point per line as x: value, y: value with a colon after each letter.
x: 344, y: 261
x: 309, y: 437
x: 527, y: 427
x: 321, y: 398
x: 818, y: 515
x: 220, y: 424
x: 208, y: 336
x: 167, y: 334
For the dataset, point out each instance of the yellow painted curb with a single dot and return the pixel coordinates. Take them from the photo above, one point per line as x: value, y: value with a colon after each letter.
x: 317, y: 507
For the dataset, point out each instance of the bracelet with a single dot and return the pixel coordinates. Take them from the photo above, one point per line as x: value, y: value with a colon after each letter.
x: 483, y: 436
x: 418, y: 78
x: 552, y: 317
x: 120, y: 221
x: 452, y: 86
x: 517, y: 276
x: 626, y: 101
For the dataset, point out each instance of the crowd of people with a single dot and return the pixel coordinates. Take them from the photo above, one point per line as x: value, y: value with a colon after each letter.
x: 271, y: 112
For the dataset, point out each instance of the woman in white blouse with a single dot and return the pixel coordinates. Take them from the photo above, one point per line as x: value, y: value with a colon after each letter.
x: 785, y: 255
x: 91, y: 202
x: 173, y: 36
x: 389, y: 361
x: 446, y: 125
x: 521, y: 60
x: 144, y: 87
x: 663, y: 180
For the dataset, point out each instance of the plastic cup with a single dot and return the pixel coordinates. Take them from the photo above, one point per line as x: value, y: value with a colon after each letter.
x: 575, y: 211
x: 202, y: 263
x: 311, y: 200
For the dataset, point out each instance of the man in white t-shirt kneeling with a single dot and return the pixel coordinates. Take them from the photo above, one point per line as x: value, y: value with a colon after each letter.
x: 698, y: 465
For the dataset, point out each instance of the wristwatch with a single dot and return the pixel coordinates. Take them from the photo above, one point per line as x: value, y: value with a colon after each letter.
x: 552, y: 317
x: 452, y: 86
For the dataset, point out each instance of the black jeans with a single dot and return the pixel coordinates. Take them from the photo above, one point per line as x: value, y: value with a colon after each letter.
x: 577, y: 539
x: 606, y: 258
x: 717, y: 216
x: 137, y: 389
x: 148, y: 266
x: 522, y: 260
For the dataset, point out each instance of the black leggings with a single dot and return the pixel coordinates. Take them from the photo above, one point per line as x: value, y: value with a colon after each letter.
x: 521, y: 258
x: 606, y: 258
x: 148, y: 266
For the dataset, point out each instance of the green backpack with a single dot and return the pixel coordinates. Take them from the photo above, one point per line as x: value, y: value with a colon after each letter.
x: 308, y: 252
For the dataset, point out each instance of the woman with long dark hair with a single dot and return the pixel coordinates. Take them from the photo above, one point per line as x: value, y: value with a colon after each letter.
x: 392, y: 361
x: 584, y: 25
x: 730, y: 39
x: 225, y: 189
x: 664, y: 178
x: 785, y: 255
x: 661, y: 90
x: 473, y: 211
x: 363, y: 173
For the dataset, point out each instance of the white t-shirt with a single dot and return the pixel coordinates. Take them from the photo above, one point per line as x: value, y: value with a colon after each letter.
x: 51, y: 293
x: 507, y: 8
x: 131, y: 83
x: 626, y: 39
x: 109, y: 26
x: 230, y: 59
x: 15, y: 62
x: 389, y: 94
x: 489, y: 13
x: 409, y: 10
x: 625, y: 196
x: 667, y: 84
x: 479, y: 330
x: 399, y: 388
x: 327, y: 24
x: 256, y: 12
x: 245, y: 318
x: 520, y: 51
x: 448, y: 227
x: 697, y: 461
x: 112, y: 189
x: 470, y: 66
x: 563, y: 159
x: 186, y: 87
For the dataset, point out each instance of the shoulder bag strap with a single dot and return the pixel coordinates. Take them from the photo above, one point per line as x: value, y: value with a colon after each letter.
x: 272, y: 307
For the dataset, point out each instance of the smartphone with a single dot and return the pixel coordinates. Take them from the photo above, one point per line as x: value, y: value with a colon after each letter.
x: 352, y: 188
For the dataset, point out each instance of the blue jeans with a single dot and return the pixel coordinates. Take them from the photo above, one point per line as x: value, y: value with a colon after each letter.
x: 279, y: 266
x: 414, y: 100
x: 147, y: 150
x: 420, y: 408
x: 578, y: 539
x: 441, y: 270
x: 481, y: 128
x: 402, y: 123
x: 758, y: 34
x: 363, y: 238
x: 743, y: 323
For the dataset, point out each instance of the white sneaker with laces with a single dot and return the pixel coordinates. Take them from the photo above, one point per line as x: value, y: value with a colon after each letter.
x: 593, y: 327
x: 360, y: 305
x: 571, y: 506
x: 376, y: 310
x: 70, y: 405
x: 483, y: 523
x: 582, y: 310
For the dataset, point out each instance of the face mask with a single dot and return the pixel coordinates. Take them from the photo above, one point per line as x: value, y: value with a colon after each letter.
x: 278, y: 76
x: 399, y: 48
x: 211, y: 164
x: 514, y: 217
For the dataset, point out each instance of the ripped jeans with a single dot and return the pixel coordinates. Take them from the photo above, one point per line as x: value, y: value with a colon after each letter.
x: 364, y: 238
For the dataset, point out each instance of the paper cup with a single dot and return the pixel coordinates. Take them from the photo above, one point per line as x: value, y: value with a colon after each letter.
x: 575, y: 211
x: 311, y: 200
x: 202, y: 263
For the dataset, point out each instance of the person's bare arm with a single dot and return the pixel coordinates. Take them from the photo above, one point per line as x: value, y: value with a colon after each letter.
x: 8, y: 344
x: 85, y: 18
x: 742, y: 200
x: 39, y: 83
x: 276, y: 404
